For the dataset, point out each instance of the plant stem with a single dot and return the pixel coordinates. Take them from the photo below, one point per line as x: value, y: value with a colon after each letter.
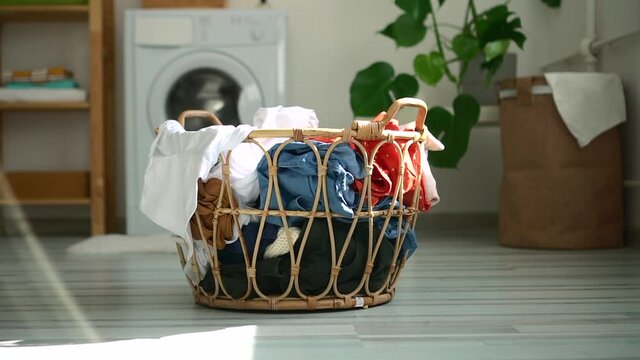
x: 465, y: 25
x: 452, y: 26
x: 452, y: 60
x: 464, y: 66
x: 463, y: 70
x: 439, y: 42
x: 474, y: 14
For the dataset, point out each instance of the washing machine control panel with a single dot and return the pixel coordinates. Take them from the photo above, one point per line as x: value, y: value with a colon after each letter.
x: 238, y: 29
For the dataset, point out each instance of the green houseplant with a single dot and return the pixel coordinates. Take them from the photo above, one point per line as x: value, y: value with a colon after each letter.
x: 488, y: 34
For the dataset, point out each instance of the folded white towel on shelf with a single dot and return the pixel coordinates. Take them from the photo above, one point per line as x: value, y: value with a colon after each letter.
x: 589, y: 103
x: 44, y: 95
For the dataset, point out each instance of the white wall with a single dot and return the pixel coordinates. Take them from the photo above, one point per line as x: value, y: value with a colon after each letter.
x: 329, y: 41
x: 623, y: 58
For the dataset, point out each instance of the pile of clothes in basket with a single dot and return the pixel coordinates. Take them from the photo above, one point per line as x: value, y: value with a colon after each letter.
x: 185, y: 176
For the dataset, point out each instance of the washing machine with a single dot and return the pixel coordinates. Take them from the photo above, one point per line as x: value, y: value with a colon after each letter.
x: 229, y: 62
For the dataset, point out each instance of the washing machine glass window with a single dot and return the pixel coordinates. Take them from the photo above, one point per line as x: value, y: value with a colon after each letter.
x: 201, y: 80
x: 205, y: 89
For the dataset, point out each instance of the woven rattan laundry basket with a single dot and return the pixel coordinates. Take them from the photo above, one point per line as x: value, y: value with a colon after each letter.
x: 332, y: 295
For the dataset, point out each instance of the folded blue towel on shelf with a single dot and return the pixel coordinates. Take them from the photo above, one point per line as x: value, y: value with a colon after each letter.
x: 55, y: 84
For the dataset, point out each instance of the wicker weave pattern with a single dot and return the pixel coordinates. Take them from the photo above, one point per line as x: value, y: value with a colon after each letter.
x: 293, y: 298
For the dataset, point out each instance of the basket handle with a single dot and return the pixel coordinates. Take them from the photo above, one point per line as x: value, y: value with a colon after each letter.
x: 407, y: 102
x: 369, y: 130
x: 198, y: 113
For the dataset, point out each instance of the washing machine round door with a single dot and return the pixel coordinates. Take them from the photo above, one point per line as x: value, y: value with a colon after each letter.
x: 208, y: 81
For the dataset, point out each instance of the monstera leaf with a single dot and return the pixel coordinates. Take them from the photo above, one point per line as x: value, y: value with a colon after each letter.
x: 453, y: 130
x: 418, y: 9
x: 498, y: 23
x: 429, y: 68
x: 465, y: 46
x: 374, y: 89
x: 409, y: 29
x: 494, y: 49
x: 406, y: 31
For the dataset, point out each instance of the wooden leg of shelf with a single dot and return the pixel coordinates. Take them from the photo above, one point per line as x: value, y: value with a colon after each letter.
x: 1, y: 114
x: 2, y: 176
x: 109, y: 114
x: 1, y: 139
x: 96, y: 99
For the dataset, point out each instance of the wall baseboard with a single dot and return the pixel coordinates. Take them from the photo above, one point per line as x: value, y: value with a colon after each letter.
x: 462, y: 222
x: 55, y: 227
x: 438, y: 222
x: 632, y: 237
x: 458, y: 221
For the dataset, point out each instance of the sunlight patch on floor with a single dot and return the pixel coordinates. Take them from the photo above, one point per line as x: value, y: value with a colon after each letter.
x: 232, y: 343
x: 40, y: 260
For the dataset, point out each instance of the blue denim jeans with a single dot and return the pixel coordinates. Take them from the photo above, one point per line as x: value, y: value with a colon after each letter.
x: 298, y: 179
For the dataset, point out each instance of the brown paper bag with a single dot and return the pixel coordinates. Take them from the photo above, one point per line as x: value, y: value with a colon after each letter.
x: 555, y: 194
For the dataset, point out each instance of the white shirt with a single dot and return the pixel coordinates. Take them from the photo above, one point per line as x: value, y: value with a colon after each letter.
x: 176, y: 160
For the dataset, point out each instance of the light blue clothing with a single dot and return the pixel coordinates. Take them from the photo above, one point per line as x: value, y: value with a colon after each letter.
x: 410, y: 243
x: 298, y: 179
x: 55, y: 84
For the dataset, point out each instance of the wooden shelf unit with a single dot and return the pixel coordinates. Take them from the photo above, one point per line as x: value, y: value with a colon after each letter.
x: 94, y: 187
x: 43, y: 13
x: 43, y: 106
x: 46, y: 188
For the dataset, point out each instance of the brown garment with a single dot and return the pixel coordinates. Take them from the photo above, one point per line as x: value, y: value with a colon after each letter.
x: 208, y: 195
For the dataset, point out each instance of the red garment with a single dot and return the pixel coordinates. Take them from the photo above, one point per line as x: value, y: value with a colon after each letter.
x: 384, y: 179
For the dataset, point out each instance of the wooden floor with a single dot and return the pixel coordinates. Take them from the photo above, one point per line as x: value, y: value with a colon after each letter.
x: 461, y: 297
